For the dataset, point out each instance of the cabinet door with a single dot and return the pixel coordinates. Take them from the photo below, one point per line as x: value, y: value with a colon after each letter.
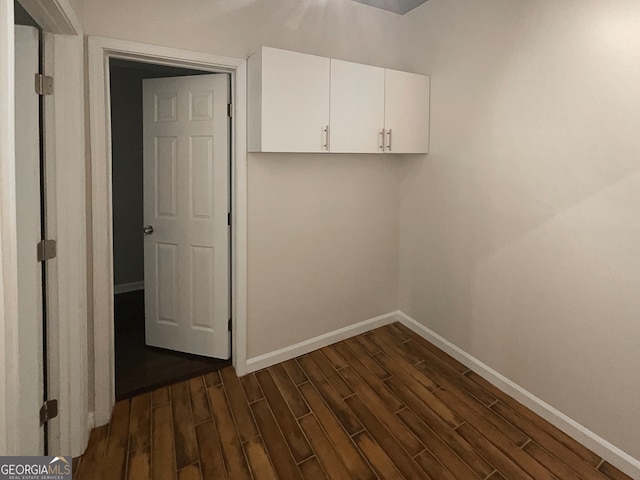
x: 295, y: 101
x: 357, y: 107
x: 406, y: 112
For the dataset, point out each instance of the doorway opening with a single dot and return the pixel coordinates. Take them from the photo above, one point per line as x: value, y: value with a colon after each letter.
x: 155, y: 210
x: 100, y: 51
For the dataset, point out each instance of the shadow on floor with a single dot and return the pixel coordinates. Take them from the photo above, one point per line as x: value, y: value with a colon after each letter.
x: 140, y: 368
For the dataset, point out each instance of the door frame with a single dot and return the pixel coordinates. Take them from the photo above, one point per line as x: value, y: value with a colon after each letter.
x: 100, y: 50
x: 8, y: 241
x: 66, y: 222
x: 29, y: 215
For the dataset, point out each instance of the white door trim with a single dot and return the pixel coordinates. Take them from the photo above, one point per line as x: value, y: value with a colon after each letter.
x: 55, y: 16
x: 8, y: 255
x: 64, y: 123
x: 99, y: 51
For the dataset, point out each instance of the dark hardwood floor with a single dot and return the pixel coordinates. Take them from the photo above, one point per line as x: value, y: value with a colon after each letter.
x: 140, y: 368
x: 386, y: 404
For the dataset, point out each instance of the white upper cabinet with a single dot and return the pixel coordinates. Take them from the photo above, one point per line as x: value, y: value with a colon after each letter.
x: 304, y: 103
x: 357, y: 108
x: 406, y: 112
x: 288, y: 101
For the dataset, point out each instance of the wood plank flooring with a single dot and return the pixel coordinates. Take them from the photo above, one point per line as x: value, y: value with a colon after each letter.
x: 386, y: 404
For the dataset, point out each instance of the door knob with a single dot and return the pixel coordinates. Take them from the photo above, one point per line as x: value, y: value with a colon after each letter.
x: 148, y: 230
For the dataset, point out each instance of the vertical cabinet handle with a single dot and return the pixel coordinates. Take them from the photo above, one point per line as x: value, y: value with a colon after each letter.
x: 328, y: 138
x: 389, y: 140
x: 381, y: 140
x: 325, y: 136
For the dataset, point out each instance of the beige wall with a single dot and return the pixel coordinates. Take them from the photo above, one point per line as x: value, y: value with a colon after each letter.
x: 323, y: 242
x: 332, y: 28
x: 520, y: 233
x: 77, y: 7
x: 126, y: 171
x: 323, y: 230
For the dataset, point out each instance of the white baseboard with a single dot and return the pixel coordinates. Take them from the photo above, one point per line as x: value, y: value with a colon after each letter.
x: 287, y: 353
x: 91, y: 421
x: 611, y: 453
x: 128, y: 287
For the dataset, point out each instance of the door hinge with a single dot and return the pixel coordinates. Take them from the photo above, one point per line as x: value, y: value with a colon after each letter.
x: 229, y: 325
x: 48, y: 411
x: 229, y: 218
x: 46, y: 250
x: 229, y: 109
x: 44, y: 84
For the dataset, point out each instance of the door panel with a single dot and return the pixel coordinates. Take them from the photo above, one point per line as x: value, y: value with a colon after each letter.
x: 295, y: 101
x: 167, y: 283
x: 202, y: 284
x: 201, y: 176
x: 186, y: 200
x: 407, y: 111
x: 30, y: 360
x: 357, y: 107
x: 165, y: 168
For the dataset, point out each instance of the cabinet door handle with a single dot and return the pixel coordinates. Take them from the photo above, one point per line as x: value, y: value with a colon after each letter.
x: 328, y: 137
x: 325, y: 135
x: 389, y: 140
x: 381, y: 140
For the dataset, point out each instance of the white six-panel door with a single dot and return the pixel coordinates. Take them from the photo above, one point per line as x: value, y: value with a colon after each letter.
x: 186, y: 201
x: 30, y: 358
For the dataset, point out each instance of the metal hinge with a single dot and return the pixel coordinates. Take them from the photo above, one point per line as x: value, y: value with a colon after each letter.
x: 229, y: 218
x: 46, y: 250
x: 48, y: 411
x: 230, y: 109
x: 229, y: 325
x: 44, y: 84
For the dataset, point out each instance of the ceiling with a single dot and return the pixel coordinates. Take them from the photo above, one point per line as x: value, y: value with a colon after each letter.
x: 396, y: 6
